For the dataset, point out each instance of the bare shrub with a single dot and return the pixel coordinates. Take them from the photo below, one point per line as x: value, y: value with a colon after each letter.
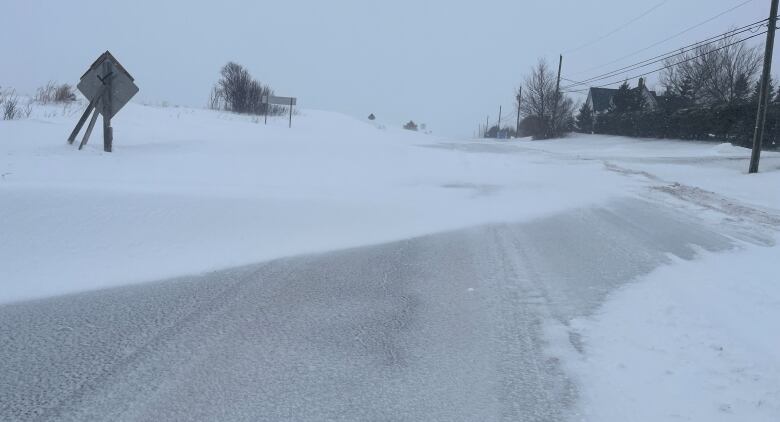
x: 45, y: 94
x: 64, y: 94
x: 53, y: 93
x: 10, y: 106
x: 26, y: 111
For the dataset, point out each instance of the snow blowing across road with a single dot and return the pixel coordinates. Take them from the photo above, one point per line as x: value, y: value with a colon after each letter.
x: 592, y: 278
x: 188, y: 191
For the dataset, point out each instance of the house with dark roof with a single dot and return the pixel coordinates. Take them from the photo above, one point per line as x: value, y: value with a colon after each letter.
x: 600, y: 99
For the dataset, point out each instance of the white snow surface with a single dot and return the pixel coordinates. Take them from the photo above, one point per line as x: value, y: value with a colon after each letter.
x: 693, y: 341
x: 719, y: 168
x: 187, y: 191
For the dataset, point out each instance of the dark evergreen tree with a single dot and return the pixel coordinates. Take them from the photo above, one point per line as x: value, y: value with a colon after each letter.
x: 584, y: 119
x: 638, y: 101
x: 623, y: 99
x: 757, y: 91
x: 741, y: 91
x: 686, y: 92
x: 627, y: 99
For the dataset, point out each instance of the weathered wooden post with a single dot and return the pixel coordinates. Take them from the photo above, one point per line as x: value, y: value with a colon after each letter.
x: 108, y: 136
x: 81, y: 121
x: 89, y: 129
x: 292, y: 101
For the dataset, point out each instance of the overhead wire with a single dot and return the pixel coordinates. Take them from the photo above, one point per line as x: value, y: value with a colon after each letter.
x: 684, y: 31
x: 668, y: 55
x: 618, y: 29
x: 669, y: 65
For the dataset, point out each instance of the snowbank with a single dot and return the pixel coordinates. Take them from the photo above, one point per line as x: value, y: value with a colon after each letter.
x: 720, y: 168
x: 188, y: 191
x: 693, y: 341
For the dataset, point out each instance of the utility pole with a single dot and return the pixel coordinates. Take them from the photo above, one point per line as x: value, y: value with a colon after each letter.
x: 763, y: 99
x: 519, y: 100
x: 499, y: 117
x: 557, y: 95
x: 487, y: 123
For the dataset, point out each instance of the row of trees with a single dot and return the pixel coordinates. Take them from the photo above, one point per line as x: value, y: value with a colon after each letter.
x: 239, y: 92
x: 710, y: 92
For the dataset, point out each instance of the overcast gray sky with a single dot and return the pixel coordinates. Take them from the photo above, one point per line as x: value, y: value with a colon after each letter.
x: 444, y: 63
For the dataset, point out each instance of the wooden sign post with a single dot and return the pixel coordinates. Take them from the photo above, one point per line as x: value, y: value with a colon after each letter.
x: 108, y: 87
x: 284, y: 101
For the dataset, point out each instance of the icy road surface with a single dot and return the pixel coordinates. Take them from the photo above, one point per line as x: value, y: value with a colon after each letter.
x: 444, y: 327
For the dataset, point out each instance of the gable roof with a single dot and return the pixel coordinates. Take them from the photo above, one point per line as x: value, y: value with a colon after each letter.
x: 601, y: 98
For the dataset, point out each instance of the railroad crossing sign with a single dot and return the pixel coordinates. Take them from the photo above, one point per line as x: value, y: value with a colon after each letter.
x: 283, y: 101
x: 108, y: 87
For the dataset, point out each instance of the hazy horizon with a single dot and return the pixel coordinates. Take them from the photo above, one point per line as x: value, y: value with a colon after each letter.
x: 446, y: 64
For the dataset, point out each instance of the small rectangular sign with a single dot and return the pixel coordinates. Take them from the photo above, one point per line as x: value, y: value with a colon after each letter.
x: 280, y: 100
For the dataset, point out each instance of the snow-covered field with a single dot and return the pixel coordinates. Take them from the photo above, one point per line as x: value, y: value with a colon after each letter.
x: 188, y: 191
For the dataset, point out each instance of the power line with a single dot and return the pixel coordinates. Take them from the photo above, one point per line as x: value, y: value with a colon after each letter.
x: 663, y: 57
x: 671, y: 65
x: 682, y: 50
x: 684, y: 31
x: 618, y: 29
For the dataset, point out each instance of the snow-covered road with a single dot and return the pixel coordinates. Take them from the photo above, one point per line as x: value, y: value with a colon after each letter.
x: 441, y: 327
x: 487, y: 280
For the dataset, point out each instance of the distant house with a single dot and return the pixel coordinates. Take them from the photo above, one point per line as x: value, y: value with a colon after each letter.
x: 600, y: 99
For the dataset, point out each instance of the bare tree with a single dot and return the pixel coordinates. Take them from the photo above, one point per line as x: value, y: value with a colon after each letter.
x: 713, y: 73
x: 237, y: 91
x: 552, y: 110
x: 234, y: 87
x: 215, y: 99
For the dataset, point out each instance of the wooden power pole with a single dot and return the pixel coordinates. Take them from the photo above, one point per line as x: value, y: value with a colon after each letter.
x: 519, y: 100
x: 499, y: 118
x: 763, y: 99
x: 557, y: 95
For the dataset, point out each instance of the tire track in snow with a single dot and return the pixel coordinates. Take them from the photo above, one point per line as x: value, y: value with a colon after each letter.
x: 440, y: 327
